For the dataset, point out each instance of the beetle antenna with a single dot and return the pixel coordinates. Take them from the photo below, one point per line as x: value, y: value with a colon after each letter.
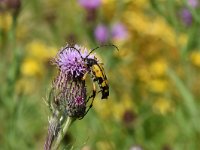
x: 102, y: 46
x: 74, y: 49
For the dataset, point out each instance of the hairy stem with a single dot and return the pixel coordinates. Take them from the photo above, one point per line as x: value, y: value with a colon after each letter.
x: 62, y: 133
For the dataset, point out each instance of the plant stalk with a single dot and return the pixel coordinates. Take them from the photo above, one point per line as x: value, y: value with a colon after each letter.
x: 62, y: 133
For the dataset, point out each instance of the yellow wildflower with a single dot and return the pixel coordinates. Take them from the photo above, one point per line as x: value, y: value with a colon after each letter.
x: 40, y: 51
x: 5, y: 21
x: 109, y: 7
x: 143, y: 74
x: 158, y: 67
x: 112, y: 108
x: 158, y: 85
x: 141, y: 3
x: 136, y: 21
x: 162, y: 106
x: 107, y: 2
x: 124, y: 52
x: 156, y: 27
x: 195, y: 58
x: 30, y: 67
x: 126, y: 73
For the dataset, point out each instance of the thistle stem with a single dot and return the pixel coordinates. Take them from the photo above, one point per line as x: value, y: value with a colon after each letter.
x: 62, y: 133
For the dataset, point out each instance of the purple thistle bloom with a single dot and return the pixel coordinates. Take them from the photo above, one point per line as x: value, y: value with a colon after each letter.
x: 70, y: 61
x: 90, y: 4
x: 69, y: 87
x: 119, y: 31
x: 193, y: 3
x: 68, y: 96
x: 101, y: 33
x: 186, y: 16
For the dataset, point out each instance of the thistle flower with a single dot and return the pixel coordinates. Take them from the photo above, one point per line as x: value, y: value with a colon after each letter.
x: 193, y: 3
x: 119, y: 32
x: 68, y: 97
x: 186, y: 16
x: 90, y: 4
x: 101, y: 33
x: 68, y: 84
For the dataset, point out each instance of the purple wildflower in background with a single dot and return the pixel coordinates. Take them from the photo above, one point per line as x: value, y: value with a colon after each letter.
x: 186, y: 16
x: 193, y: 3
x: 101, y: 33
x: 90, y: 4
x: 119, y: 31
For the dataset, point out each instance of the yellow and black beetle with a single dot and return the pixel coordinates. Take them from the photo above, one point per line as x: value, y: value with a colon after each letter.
x: 97, y: 73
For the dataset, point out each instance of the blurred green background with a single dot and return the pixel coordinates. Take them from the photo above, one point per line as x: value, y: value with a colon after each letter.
x: 154, y: 78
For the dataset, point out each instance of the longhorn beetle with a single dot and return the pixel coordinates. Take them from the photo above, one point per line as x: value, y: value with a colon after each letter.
x: 96, y: 70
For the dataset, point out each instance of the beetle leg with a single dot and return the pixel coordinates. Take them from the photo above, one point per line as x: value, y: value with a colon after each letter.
x: 91, y: 104
x: 93, y: 93
x: 84, y: 76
